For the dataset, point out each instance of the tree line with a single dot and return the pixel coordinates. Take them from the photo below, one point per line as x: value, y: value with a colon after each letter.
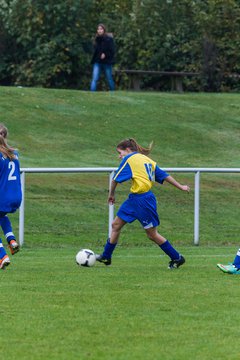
x: 49, y: 43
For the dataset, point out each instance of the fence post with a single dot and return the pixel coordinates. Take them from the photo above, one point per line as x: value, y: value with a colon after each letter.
x: 111, y: 208
x: 196, y: 207
x: 21, y: 211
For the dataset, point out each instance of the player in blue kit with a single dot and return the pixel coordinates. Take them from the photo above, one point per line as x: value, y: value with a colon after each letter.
x: 141, y: 204
x: 4, y: 221
x: 232, y: 268
x: 10, y: 189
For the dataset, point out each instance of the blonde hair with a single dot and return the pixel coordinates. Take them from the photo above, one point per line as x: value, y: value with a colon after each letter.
x: 6, y: 150
x: 134, y: 146
x: 3, y: 130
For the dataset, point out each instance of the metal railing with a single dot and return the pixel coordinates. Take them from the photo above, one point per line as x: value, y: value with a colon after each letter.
x: 110, y: 171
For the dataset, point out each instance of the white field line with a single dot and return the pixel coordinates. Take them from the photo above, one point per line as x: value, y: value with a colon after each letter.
x: 185, y: 255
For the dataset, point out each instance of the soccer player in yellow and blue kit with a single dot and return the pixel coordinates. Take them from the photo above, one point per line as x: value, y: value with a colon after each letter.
x: 10, y: 190
x: 141, y: 204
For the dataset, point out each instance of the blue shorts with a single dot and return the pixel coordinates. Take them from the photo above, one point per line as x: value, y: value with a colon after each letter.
x: 141, y: 207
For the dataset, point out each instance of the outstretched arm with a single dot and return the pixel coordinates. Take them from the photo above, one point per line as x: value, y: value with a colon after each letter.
x: 175, y: 183
x: 111, y: 195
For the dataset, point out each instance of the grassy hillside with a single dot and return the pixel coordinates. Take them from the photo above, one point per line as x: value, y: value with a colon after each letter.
x: 137, y: 308
x: 74, y: 128
x: 62, y: 128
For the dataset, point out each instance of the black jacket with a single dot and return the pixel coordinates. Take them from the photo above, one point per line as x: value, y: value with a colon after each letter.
x: 103, y: 44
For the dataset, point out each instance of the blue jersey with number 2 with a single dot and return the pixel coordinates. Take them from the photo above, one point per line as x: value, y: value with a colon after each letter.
x: 10, y: 184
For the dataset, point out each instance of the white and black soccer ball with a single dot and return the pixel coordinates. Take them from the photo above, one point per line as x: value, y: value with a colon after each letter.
x: 85, y: 257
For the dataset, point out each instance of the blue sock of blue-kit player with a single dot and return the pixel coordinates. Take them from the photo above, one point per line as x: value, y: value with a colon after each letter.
x: 170, y: 251
x: 237, y: 260
x: 2, y: 250
x: 7, y: 228
x: 108, y: 250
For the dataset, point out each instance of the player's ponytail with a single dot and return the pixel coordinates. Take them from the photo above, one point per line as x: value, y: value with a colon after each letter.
x: 3, y: 130
x: 134, y: 146
x: 6, y: 150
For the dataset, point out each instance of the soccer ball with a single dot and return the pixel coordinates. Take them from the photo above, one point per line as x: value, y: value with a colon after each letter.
x: 85, y: 257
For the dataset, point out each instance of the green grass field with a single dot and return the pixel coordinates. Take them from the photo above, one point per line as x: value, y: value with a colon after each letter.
x: 137, y: 308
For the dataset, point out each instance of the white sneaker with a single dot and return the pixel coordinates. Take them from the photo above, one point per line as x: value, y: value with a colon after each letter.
x: 5, y: 261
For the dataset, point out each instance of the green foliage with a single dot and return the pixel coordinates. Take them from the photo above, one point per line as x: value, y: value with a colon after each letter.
x: 49, y: 44
x: 219, y: 22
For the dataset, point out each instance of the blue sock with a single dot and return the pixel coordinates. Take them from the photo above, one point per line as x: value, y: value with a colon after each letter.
x: 237, y: 260
x: 7, y: 228
x: 108, y: 250
x: 2, y: 250
x: 170, y: 251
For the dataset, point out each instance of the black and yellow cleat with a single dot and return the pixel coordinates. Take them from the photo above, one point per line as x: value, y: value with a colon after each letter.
x: 174, y: 264
x: 103, y: 260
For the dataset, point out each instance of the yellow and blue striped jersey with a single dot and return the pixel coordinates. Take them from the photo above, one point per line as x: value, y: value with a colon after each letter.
x: 142, y: 170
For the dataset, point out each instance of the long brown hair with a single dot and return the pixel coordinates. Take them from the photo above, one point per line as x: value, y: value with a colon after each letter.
x: 103, y: 27
x: 6, y: 150
x: 109, y: 34
x: 3, y: 130
x: 134, y: 146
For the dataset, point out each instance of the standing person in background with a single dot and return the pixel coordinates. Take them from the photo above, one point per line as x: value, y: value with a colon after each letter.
x: 141, y: 204
x: 233, y: 268
x: 103, y: 57
x: 4, y: 220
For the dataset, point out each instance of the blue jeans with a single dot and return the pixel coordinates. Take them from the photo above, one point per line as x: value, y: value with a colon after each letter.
x: 97, y: 69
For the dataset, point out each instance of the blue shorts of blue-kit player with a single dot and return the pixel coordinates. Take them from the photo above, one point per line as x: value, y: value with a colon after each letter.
x: 141, y: 207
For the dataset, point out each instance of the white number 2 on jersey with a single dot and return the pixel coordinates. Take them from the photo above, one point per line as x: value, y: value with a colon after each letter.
x: 11, y: 166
